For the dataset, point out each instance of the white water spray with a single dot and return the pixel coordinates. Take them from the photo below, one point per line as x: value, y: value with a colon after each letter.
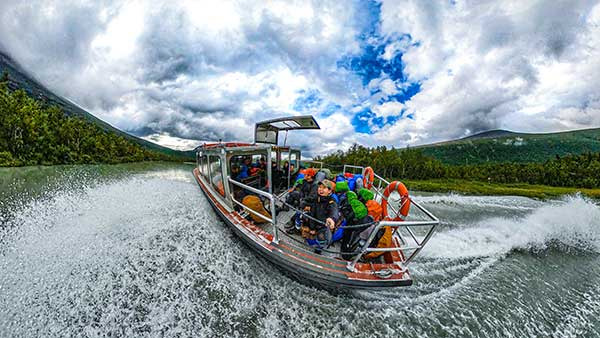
x: 573, y: 222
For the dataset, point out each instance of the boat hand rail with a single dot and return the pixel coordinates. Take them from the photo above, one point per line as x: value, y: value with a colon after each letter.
x: 271, y: 198
x: 394, y: 224
x: 304, y: 214
x: 432, y: 223
x: 355, y: 167
x: 364, y: 226
x: 311, y: 161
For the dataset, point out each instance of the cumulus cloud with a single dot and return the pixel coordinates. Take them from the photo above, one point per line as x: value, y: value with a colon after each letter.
x: 525, y: 66
x: 391, y: 72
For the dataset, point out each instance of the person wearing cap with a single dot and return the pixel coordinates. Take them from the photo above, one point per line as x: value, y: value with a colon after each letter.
x: 325, y: 210
x: 302, y: 197
x: 308, y: 189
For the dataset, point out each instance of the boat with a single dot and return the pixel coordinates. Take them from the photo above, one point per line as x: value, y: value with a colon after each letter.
x: 216, y: 172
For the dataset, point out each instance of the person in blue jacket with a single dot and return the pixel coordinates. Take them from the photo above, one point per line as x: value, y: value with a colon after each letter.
x: 245, y: 169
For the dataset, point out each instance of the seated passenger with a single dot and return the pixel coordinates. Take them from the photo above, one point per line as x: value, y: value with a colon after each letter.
x: 324, y: 213
x: 383, y: 239
x: 262, y: 163
x: 302, y: 197
x: 276, y: 176
x: 355, y: 213
x: 244, y: 169
x: 305, y: 191
x: 235, y: 170
x: 285, y: 169
x: 309, y: 189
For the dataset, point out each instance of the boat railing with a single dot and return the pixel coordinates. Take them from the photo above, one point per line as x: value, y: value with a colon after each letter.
x: 272, y: 219
x: 409, y: 249
x: 410, y: 242
x: 319, y: 163
x: 411, y: 245
x: 348, y: 166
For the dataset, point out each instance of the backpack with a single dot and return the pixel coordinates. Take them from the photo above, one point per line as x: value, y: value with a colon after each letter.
x: 320, y: 176
x: 374, y: 210
x: 385, y: 234
x: 384, y: 242
x: 253, y: 202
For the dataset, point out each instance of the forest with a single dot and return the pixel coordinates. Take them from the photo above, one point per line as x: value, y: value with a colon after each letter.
x: 32, y: 133
x: 566, y: 171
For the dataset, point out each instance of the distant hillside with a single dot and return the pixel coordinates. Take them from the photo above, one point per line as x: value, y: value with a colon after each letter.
x: 497, y: 146
x: 20, y: 79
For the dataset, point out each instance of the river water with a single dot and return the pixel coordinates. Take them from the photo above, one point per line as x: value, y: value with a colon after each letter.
x: 135, y: 250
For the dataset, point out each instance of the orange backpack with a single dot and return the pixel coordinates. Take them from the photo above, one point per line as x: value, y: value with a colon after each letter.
x: 384, y: 242
x: 254, y: 203
x: 374, y: 210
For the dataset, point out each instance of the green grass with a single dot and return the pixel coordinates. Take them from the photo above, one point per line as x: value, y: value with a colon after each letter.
x: 484, y: 188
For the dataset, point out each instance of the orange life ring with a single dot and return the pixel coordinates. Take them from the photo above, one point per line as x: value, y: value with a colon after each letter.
x: 368, y: 177
x: 404, y: 200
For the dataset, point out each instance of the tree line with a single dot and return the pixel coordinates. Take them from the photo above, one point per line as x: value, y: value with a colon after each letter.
x: 567, y: 171
x: 33, y: 134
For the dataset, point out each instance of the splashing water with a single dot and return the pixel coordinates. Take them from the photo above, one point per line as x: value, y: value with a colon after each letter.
x: 141, y: 253
x: 574, y: 222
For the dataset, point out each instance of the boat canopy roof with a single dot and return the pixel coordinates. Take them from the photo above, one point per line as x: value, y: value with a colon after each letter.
x: 268, y: 131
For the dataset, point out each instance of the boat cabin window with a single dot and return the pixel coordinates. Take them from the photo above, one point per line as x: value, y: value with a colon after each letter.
x: 203, y: 167
x: 274, y: 159
x: 216, y: 174
x: 289, y: 161
x: 294, y: 162
x: 250, y: 169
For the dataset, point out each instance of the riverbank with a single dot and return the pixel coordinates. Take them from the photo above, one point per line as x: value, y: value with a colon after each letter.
x: 483, y: 188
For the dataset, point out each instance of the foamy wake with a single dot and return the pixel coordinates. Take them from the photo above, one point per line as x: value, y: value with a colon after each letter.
x: 500, y: 202
x: 574, y: 222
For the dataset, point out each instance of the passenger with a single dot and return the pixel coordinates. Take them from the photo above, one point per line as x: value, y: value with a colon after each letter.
x: 355, y: 213
x: 262, y: 164
x: 324, y: 210
x: 285, y: 168
x: 276, y: 176
x: 302, y: 197
x: 309, y: 189
x: 244, y: 169
x: 235, y: 170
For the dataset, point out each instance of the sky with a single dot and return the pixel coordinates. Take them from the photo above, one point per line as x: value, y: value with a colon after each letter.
x: 392, y: 73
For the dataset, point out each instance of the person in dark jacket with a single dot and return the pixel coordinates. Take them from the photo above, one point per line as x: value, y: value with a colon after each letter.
x: 308, y: 190
x: 302, y: 197
x: 324, y: 213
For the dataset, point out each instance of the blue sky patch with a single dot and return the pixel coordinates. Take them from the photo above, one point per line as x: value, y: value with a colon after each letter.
x: 309, y: 100
x: 360, y: 121
x: 330, y: 109
x: 369, y: 64
x: 404, y: 94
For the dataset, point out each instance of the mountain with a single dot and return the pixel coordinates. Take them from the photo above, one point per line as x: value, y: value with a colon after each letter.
x: 21, y: 79
x: 497, y: 146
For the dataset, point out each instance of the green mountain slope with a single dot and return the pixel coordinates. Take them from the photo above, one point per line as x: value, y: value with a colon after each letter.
x: 20, y: 79
x: 497, y: 146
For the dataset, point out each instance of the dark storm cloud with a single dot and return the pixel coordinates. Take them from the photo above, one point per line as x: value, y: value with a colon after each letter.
x: 52, y: 37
